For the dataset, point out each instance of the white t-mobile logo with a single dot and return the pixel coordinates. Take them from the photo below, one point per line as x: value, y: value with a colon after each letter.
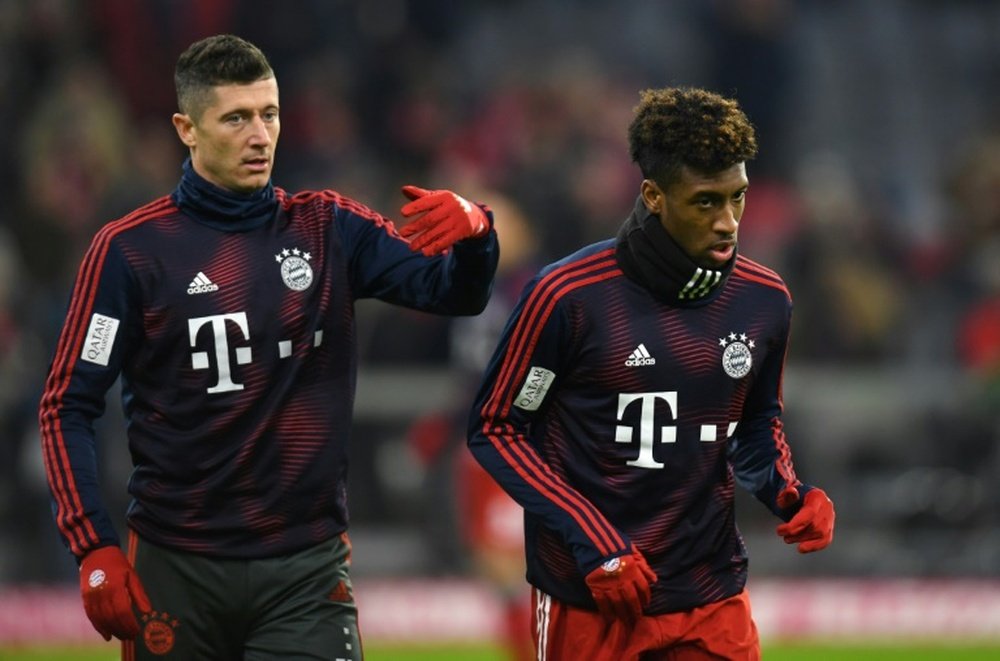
x: 647, y: 432
x: 199, y: 359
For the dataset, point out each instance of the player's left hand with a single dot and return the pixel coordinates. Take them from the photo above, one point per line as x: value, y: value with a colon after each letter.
x: 812, y: 526
x: 447, y: 218
x: 110, y: 587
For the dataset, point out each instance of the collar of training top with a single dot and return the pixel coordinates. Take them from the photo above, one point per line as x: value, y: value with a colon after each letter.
x: 220, y: 208
x: 648, y: 255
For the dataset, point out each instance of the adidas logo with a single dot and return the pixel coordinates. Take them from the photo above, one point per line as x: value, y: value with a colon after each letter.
x: 202, y: 285
x: 640, y: 357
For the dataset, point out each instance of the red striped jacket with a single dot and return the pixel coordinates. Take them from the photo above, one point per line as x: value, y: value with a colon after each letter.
x: 616, y: 418
x: 236, y: 348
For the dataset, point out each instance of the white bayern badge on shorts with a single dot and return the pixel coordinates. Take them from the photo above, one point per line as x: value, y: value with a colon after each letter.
x: 536, y: 384
x: 100, y: 339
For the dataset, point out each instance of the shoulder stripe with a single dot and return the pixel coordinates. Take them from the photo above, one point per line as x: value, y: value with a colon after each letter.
x: 335, y: 198
x: 94, y: 259
x: 751, y: 265
x: 70, y: 517
x: 521, y: 458
x: 764, y: 277
x: 537, y: 309
x: 339, y: 200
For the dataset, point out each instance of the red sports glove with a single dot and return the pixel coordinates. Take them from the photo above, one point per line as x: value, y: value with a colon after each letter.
x: 621, y: 586
x: 110, y: 587
x: 812, y: 526
x: 447, y: 218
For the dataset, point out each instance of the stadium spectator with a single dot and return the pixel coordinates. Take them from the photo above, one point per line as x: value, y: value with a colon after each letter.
x: 637, y: 380
x: 227, y: 309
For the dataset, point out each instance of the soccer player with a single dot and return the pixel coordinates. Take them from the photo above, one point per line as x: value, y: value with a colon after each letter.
x: 637, y: 380
x: 227, y: 308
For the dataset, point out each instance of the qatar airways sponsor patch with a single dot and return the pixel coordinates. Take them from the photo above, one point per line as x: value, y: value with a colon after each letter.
x: 100, y: 339
x: 536, y: 384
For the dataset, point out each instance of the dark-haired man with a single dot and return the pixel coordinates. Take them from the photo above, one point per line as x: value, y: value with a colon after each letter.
x: 227, y: 308
x: 636, y: 381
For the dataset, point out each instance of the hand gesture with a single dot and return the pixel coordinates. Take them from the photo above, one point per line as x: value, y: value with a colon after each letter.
x: 446, y: 218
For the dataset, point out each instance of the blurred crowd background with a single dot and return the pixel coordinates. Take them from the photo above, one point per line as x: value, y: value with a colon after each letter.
x: 876, y: 195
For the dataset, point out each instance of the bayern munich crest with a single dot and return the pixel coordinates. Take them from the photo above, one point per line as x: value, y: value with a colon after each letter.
x: 737, y: 358
x: 295, y: 269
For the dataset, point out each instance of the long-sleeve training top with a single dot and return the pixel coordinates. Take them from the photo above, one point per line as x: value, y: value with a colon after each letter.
x: 629, y: 389
x: 230, y: 320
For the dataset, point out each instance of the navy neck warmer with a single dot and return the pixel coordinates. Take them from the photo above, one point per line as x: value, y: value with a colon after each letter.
x: 221, y: 208
x: 648, y: 255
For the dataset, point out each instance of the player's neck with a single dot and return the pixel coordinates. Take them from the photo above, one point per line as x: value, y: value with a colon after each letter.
x: 221, y: 208
x: 650, y: 256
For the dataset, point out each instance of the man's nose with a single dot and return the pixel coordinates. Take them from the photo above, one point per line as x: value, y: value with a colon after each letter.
x: 260, y: 134
x: 728, y: 221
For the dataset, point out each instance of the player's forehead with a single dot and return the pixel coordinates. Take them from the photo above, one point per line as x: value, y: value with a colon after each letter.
x: 731, y: 179
x: 234, y: 97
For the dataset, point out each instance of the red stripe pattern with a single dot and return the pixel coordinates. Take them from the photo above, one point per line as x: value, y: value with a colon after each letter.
x: 751, y: 270
x: 71, y: 519
x: 339, y: 201
x: 512, y: 446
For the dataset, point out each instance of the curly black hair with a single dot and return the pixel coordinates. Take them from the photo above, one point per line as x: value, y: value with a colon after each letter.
x: 681, y: 126
x: 222, y: 59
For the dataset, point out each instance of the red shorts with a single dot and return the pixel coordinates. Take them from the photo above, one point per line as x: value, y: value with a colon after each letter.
x: 721, y: 630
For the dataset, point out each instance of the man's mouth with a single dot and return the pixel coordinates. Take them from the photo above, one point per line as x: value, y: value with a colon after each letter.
x: 257, y: 164
x: 723, y: 251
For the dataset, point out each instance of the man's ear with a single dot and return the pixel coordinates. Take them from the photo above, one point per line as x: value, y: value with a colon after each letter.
x: 652, y: 196
x: 184, y: 126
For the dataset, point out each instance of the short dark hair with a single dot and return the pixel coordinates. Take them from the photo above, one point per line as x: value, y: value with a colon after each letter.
x: 682, y: 126
x: 223, y: 59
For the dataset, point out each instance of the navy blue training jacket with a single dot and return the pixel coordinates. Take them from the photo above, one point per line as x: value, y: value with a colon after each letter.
x: 231, y: 322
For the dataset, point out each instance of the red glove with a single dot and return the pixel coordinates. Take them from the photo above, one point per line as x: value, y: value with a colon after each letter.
x: 621, y: 586
x: 110, y: 586
x: 447, y: 218
x: 812, y: 526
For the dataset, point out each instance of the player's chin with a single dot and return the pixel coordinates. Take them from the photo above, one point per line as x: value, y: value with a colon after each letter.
x: 253, y: 183
x: 714, y: 263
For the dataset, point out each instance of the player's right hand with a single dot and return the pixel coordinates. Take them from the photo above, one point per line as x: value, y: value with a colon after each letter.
x: 621, y: 586
x: 812, y: 526
x: 110, y: 587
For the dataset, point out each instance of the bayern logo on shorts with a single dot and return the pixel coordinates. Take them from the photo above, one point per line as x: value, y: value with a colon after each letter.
x: 737, y: 356
x: 295, y: 270
x: 159, y: 632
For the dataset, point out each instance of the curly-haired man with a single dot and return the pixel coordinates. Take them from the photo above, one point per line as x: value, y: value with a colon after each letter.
x: 636, y: 382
